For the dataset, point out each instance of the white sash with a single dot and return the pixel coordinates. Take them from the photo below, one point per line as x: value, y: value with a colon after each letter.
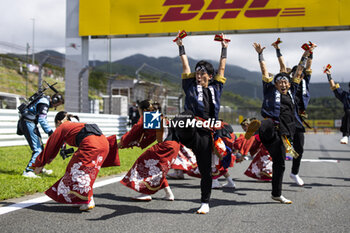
x: 212, y: 94
x: 278, y: 96
x: 200, y: 92
x: 303, y: 84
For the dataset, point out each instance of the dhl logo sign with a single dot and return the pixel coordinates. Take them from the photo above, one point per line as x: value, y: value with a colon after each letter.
x: 128, y: 18
x: 184, y: 10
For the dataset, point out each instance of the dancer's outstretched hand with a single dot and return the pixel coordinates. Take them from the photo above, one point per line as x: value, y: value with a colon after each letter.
x: 258, y: 48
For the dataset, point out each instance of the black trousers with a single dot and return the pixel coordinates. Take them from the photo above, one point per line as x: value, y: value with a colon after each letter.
x: 201, y: 142
x: 202, y: 148
x: 345, y: 123
x: 298, y: 144
x: 272, y: 141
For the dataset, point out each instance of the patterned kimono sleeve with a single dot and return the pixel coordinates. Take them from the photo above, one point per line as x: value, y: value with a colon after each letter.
x: 133, y: 136
x: 112, y: 158
x: 138, y: 136
x: 247, y: 145
x: 238, y: 143
x: 148, y: 138
x: 255, y: 147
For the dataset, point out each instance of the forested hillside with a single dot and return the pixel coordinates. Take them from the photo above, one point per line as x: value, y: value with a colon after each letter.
x: 242, y: 93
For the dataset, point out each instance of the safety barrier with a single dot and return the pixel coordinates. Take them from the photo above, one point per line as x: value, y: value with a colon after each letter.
x: 109, y: 124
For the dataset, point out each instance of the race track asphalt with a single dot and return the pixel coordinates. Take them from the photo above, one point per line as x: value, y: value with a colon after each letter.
x: 321, y: 205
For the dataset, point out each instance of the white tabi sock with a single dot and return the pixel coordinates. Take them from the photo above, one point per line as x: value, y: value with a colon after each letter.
x: 204, y: 209
x: 230, y: 183
x: 168, y: 194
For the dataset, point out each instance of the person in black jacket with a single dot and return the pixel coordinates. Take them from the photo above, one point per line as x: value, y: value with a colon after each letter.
x: 302, y: 98
x: 134, y: 115
x: 344, y: 97
x: 203, y: 90
x: 280, y: 111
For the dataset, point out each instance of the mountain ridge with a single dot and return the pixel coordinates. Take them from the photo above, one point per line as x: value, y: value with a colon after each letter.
x: 239, y: 80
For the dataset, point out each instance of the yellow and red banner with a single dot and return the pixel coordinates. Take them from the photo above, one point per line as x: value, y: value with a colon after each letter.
x: 167, y: 17
x: 323, y: 123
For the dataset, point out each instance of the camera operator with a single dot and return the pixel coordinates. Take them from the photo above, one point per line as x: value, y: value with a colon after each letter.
x: 35, y: 113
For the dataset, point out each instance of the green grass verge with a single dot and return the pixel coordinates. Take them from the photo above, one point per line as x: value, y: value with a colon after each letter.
x: 14, y: 160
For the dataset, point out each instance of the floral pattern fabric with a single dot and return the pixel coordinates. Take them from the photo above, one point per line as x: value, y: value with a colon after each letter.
x: 261, y: 166
x: 187, y: 162
x: 148, y: 174
x: 75, y: 187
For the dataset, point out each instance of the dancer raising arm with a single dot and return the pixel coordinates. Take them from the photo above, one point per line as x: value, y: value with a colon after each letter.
x: 344, y: 97
x: 203, y: 90
x: 302, y: 98
x: 277, y: 131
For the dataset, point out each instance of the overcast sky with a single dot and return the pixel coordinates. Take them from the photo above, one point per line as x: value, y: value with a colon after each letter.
x: 16, y: 30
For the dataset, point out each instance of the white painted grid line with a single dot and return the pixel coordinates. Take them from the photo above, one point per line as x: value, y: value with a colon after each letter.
x: 43, y: 199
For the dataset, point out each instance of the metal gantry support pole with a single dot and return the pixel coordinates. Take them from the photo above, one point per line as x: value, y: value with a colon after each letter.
x: 110, y: 74
x: 81, y: 87
x: 77, y: 57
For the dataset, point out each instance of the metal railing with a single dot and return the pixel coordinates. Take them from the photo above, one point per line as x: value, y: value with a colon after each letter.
x: 109, y: 124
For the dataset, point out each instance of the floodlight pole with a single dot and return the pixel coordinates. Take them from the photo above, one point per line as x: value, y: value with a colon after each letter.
x: 26, y: 71
x: 33, y: 55
x: 40, y: 79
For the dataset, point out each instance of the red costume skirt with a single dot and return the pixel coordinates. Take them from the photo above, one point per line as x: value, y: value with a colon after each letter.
x: 148, y: 174
x: 75, y: 187
x: 261, y: 166
x: 186, y: 161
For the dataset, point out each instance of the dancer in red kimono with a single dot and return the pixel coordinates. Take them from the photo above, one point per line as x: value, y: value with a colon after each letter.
x: 185, y: 162
x: 261, y: 166
x: 148, y: 174
x: 76, y: 186
x: 138, y: 136
x: 241, y: 147
x: 223, y: 157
